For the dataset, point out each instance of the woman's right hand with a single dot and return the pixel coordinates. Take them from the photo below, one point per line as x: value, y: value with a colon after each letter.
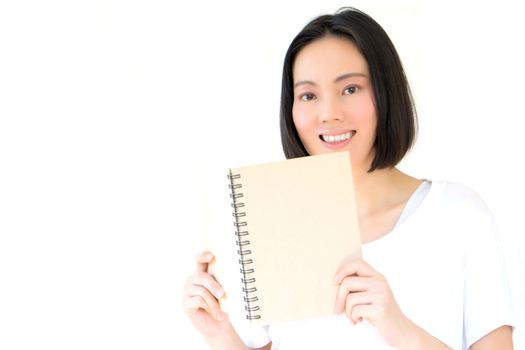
x: 200, y: 299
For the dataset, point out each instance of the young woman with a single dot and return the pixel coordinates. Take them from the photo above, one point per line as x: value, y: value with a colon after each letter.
x: 431, y: 275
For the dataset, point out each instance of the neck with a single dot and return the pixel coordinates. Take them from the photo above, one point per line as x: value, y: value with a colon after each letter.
x: 381, y: 189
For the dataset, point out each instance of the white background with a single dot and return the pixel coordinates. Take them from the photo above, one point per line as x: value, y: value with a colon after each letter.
x: 113, y: 112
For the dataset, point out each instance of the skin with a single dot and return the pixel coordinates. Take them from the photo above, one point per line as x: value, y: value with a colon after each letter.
x: 332, y: 95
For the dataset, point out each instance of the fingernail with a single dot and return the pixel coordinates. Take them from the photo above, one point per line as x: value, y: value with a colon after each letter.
x: 208, y: 256
x: 218, y: 293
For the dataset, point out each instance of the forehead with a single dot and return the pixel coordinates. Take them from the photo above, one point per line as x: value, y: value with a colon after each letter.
x: 327, y: 58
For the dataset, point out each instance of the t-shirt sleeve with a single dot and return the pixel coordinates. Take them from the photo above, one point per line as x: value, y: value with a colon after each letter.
x: 253, y: 336
x: 487, y: 303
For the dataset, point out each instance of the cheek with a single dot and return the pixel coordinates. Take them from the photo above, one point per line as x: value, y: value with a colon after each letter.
x: 301, y: 118
x: 365, y: 113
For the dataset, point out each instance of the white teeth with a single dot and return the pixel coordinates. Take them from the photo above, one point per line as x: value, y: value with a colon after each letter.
x: 337, y: 138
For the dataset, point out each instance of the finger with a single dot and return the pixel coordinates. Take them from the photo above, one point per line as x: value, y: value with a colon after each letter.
x: 207, y: 281
x: 192, y: 304
x: 190, y: 299
x: 348, y: 286
x: 355, y: 299
x: 363, y: 312
x: 203, y: 259
x: 212, y: 306
x: 356, y: 267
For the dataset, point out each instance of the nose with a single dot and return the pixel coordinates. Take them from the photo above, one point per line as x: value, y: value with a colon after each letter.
x: 330, y: 110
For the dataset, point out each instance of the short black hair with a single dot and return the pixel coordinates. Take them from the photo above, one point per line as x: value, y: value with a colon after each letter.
x: 394, y: 104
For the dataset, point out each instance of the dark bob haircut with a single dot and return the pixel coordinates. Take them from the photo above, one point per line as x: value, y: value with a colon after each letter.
x: 395, y: 110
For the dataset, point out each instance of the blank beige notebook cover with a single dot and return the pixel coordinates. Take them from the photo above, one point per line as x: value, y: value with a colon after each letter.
x: 294, y: 224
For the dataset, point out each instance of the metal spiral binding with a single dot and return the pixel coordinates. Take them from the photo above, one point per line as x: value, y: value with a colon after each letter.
x: 243, y: 249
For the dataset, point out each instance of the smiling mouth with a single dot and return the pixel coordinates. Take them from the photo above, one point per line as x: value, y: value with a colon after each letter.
x: 337, y: 138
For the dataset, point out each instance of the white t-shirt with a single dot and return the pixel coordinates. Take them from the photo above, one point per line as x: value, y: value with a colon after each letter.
x: 444, y: 266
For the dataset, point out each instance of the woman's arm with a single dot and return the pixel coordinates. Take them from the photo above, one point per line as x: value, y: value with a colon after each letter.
x: 200, y: 302
x: 227, y: 339
x: 500, y: 338
x: 365, y: 294
x: 417, y: 338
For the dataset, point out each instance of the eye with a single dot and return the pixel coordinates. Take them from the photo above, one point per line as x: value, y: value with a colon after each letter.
x: 350, y: 90
x: 307, y: 97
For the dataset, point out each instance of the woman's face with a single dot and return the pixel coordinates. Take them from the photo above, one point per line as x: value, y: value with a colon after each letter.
x: 333, y: 108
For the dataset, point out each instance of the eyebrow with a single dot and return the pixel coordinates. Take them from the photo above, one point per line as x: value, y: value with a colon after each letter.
x: 338, y: 79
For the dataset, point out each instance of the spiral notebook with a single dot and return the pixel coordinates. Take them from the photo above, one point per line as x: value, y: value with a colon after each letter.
x: 294, y: 223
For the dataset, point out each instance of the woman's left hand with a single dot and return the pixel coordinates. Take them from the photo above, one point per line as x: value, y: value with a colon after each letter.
x: 365, y: 294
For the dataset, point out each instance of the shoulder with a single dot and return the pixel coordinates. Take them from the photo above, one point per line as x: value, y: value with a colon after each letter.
x: 457, y: 198
x: 459, y: 212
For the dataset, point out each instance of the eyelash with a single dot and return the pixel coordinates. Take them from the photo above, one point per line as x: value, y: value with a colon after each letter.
x: 356, y: 89
x: 309, y: 96
x: 303, y: 96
